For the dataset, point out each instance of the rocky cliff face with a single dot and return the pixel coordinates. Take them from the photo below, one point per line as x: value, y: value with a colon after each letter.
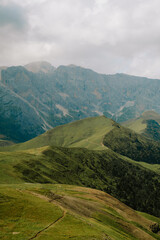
x: 34, y: 101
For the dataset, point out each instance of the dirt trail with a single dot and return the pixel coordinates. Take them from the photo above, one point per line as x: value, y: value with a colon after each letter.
x: 53, y: 223
x: 77, y: 206
x: 103, y: 145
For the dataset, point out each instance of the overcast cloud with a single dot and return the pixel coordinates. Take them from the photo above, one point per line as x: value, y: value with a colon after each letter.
x: 108, y: 36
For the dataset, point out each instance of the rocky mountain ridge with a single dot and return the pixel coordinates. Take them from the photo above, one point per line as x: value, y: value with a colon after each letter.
x: 44, y: 97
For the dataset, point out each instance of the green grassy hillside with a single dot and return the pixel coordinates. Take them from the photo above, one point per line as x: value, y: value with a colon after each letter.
x: 86, y: 133
x: 92, y: 164
x: 80, y: 153
x: 128, y: 143
x: 148, y: 124
x: 104, y: 170
x: 61, y: 212
x: 90, y: 133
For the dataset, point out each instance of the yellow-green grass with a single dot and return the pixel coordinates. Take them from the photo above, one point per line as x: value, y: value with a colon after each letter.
x: 138, y: 125
x: 151, y: 115
x: 120, y: 176
x: 61, y: 212
x: 152, y: 167
x: 22, y: 215
x: 8, y: 160
x: 86, y: 133
x: 150, y: 217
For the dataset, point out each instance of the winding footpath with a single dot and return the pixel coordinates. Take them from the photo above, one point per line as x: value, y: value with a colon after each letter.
x: 51, y: 224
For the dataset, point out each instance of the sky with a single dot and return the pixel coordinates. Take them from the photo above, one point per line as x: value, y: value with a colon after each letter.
x: 107, y: 36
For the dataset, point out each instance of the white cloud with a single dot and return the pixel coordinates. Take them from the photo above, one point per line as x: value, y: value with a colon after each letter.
x: 108, y: 36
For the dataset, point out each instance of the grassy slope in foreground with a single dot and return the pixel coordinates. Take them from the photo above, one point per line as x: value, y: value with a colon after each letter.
x: 61, y: 212
x: 86, y: 133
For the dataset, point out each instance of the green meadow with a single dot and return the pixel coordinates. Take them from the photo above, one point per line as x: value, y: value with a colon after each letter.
x: 48, y: 184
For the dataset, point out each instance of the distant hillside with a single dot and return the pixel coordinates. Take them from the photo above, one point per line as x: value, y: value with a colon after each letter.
x: 69, y: 93
x: 97, y: 133
x: 148, y: 124
x: 151, y: 115
x: 86, y: 133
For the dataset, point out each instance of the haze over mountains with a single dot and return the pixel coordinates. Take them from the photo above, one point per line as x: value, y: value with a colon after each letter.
x: 37, y: 97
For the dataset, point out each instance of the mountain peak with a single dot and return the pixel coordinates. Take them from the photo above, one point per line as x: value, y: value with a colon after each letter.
x: 40, y: 66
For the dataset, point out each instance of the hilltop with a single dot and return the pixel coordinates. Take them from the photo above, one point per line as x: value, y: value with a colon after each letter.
x: 88, y: 133
x: 97, y: 133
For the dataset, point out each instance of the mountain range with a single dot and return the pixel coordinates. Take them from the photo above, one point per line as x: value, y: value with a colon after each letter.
x: 38, y: 96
